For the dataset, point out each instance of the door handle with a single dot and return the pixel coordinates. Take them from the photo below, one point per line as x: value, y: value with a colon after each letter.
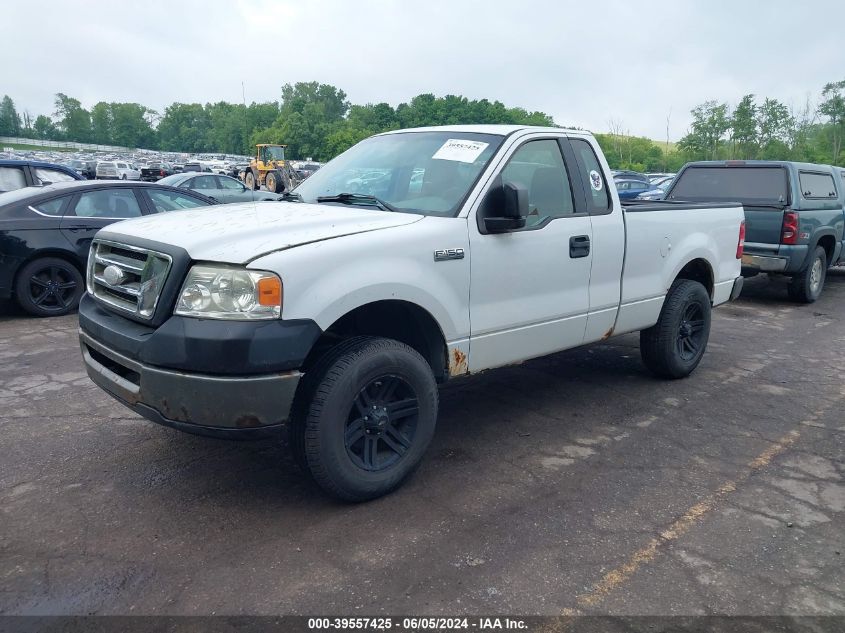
x: 579, y: 246
x: 78, y: 227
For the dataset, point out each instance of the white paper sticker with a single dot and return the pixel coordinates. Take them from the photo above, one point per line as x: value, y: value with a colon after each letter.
x: 595, y: 180
x: 460, y: 150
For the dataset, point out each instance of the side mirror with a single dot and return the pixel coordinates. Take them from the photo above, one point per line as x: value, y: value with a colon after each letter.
x: 505, y: 208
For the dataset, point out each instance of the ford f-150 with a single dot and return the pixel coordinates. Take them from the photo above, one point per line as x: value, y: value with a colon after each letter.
x: 415, y: 257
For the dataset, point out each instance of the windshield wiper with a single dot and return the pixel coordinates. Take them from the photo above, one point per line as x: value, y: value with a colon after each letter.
x: 291, y: 196
x: 358, y: 198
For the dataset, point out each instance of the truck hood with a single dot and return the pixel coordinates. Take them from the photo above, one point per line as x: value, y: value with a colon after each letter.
x: 239, y: 233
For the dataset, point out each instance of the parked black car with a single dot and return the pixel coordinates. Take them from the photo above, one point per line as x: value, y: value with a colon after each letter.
x: 156, y: 171
x: 16, y: 174
x: 45, y: 234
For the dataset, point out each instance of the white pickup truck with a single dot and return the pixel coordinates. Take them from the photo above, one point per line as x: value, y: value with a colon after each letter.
x: 414, y: 257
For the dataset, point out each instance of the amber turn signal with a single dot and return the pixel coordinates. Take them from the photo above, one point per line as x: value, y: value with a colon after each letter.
x: 270, y: 291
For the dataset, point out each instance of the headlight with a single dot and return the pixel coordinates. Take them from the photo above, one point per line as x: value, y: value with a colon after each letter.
x: 227, y: 292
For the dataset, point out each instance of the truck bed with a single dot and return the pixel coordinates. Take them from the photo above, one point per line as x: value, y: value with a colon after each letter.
x: 659, y: 242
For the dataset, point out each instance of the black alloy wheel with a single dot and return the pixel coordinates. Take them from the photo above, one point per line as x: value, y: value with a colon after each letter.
x: 691, y: 334
x: 674, y: 346
x: 49, y: 287
x: 382, y: 423
x: 363, y: 417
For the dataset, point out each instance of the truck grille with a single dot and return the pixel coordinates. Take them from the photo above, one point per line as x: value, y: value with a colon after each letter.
x: 125, y: 277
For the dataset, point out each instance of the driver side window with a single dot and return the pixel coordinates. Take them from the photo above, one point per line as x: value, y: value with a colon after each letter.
x: 538, y: 167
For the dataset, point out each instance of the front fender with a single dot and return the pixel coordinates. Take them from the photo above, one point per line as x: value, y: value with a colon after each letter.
x: 328, y: 279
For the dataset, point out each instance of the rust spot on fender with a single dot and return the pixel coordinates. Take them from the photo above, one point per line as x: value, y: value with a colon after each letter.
x: 607, y: 334
x: 457, y: 363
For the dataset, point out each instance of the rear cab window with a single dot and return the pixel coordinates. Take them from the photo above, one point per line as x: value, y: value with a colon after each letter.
x: 747, y: 185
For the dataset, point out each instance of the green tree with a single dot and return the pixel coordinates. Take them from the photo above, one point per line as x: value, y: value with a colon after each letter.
x: 744, y: 128
x: 709, y: 125
x: 10, y: 121
x: 101, y: 123
x: 44, y: 128
x: 129, y: 127
x: 74, y: 121
x: 184, y: 128
x: 833, y: 107
x: 774, y: 123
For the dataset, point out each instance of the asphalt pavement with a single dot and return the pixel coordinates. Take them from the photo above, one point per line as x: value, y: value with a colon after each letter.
x: 576, y: 483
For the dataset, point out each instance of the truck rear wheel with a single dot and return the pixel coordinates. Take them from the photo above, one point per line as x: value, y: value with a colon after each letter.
x: 364, y: 417
x: 806, y: 286
x: 673, y: 347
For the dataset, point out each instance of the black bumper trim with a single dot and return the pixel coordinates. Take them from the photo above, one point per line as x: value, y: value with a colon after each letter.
x: 206, y: 346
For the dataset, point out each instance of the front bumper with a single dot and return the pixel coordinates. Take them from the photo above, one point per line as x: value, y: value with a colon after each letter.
x: 221, y: 406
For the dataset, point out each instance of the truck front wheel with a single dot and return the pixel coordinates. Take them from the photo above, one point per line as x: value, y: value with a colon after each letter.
x: 249, y: 180
x: 364, y: 417
x: 673, y: 347
x: 806, y: 286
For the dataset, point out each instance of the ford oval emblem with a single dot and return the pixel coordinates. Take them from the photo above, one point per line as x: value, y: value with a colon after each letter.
x: 113, y: 275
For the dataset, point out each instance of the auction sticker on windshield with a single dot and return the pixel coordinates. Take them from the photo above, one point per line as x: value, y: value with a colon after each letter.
x: 460, y: 150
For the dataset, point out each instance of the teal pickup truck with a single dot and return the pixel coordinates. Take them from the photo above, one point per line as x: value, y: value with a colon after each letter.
x: 794, y: 215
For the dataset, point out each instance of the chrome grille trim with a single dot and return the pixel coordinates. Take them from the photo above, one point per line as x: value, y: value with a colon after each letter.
x: 143, y: 273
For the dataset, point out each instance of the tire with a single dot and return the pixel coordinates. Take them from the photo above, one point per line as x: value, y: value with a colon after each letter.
x: 806, y: 286
x: 249, y: 181
x: 352, y: 453
x: 273, y: 182
x: 673, y: 347
x: 49, y: 286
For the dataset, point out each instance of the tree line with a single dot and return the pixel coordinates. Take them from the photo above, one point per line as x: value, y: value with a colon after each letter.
x: 769, y: 129
x: 317, y: 120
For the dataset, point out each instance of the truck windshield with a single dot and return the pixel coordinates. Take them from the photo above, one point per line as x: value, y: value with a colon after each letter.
x: 430, y: 173
x: 749, y: 185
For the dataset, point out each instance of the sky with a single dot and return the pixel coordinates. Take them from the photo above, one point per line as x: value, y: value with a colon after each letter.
x: 591, y: 64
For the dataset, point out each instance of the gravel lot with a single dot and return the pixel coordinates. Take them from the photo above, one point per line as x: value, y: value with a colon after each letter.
x: 571, y: 484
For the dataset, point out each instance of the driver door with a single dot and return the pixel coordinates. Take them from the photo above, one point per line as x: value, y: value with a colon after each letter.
x: 529, y: 288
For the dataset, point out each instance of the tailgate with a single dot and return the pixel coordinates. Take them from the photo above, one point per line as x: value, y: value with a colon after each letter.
x: 763, y: 225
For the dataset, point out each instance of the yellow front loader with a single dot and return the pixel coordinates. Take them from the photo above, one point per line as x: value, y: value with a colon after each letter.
x: 269, y: 168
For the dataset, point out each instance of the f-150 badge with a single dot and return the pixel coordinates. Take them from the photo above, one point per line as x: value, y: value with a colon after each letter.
x: 448, y: 253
